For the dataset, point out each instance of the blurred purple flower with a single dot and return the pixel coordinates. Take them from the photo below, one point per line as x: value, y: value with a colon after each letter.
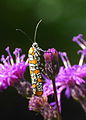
x: 12, y: 71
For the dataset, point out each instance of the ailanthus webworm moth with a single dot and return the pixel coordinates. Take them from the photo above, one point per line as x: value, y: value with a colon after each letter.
x: 34, y: 63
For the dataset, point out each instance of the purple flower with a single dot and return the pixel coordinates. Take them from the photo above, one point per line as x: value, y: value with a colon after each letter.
x: 40, y: 104
x: 12, y: 71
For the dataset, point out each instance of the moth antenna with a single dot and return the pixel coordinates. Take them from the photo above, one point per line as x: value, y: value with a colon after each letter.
x: 35, y: 34
x: 25, y: 34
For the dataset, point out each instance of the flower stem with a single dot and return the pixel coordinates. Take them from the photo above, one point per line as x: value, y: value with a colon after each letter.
x: 56, y: 99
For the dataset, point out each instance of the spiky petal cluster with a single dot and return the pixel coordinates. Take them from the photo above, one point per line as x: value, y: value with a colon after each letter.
x: 70, y: 77
x: 12, y: 71
x: 40, y: 104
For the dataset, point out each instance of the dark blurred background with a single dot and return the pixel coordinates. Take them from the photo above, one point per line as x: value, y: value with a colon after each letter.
x: 62, y: 19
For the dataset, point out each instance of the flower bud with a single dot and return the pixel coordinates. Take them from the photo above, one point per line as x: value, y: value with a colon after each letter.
x: 51, y: 63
